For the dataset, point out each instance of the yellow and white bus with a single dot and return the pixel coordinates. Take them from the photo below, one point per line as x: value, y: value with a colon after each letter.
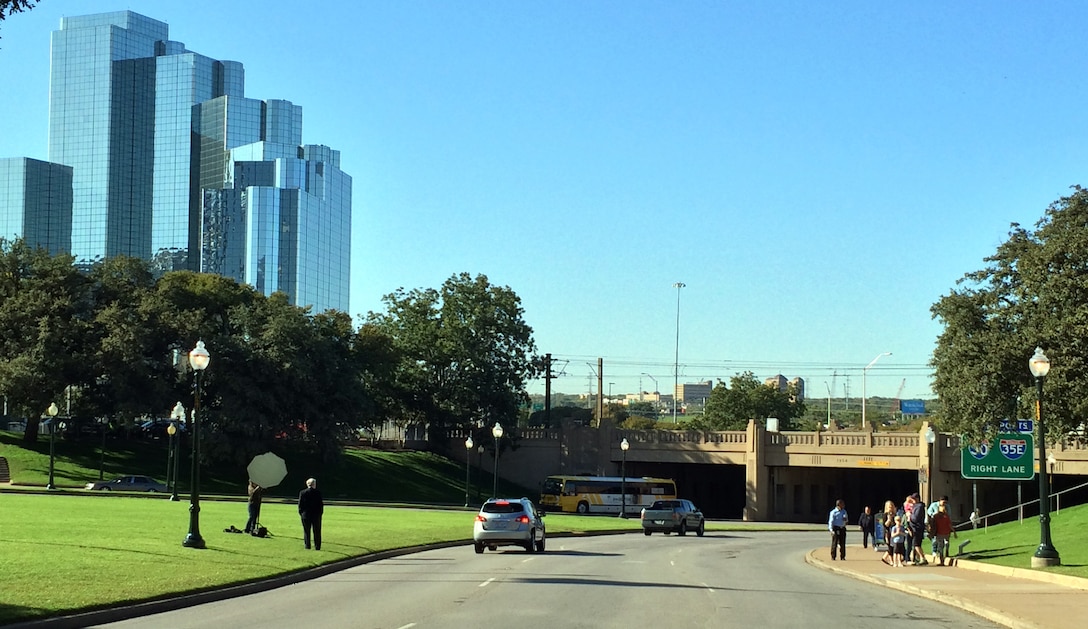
x: 601, y: 494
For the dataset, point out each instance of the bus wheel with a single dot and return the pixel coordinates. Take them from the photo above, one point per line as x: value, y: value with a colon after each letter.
x: 583, y: 507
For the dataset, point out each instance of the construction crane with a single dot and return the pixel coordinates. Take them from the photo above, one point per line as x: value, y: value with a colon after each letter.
x: 898, y: 394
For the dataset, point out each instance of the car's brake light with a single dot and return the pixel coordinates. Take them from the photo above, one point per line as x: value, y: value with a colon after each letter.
x: 676, y: 516
x: 523, y: 519
x: 480, y: 518
x: 502, y: 502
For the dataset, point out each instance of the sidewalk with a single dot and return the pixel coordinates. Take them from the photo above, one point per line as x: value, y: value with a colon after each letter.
x: 1013, y: 597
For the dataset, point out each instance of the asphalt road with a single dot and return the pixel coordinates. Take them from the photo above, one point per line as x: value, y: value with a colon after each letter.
x: 747, y: 580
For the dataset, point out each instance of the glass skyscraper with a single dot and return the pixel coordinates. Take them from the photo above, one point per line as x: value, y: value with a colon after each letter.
x: 36, y: 203
x: 171, y: 163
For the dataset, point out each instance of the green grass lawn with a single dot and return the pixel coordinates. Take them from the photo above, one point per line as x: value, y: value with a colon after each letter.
x: 61, y: 553
x: 1012, y: 544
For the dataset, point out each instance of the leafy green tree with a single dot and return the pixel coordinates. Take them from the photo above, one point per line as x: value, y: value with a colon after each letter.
x: 44, y: 314
x: 1031, y: 293
x: 464, y: 353
x: 744, y: 398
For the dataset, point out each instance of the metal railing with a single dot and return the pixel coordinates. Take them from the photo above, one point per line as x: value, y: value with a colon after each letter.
x: 983, y: 521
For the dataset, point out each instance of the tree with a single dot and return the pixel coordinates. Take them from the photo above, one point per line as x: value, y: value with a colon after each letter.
x: 44, y: 315
x: 1031, y: 293
x: 464, y: 352
x: 730, y: 407
x: 11, y: 7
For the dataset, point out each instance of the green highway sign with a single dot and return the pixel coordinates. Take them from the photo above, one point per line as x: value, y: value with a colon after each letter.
x: 1010, y: 456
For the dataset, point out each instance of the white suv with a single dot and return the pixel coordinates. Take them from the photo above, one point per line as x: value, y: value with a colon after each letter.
x: 509, y: 522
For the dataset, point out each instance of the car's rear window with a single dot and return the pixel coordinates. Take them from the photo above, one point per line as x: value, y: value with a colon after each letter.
x: 503, y: 507
x: 665, y: 504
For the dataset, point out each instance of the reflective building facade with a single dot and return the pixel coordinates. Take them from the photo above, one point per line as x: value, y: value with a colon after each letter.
x: 36, y: 203
x: 171, y: 163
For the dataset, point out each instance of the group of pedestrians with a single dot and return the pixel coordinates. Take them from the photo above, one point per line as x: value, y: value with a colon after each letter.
x: 905, y: 530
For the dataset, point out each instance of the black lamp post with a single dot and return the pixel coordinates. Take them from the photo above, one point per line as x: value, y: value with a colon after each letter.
x: 479, y: 468
x: 52, y: 413
x: 468, y: 458
x: 624, y: 446
x: 178, y: 415
x: 1046, y: 554
x: 496, y: 432
x: 105, y: 423
x: 198, y: 359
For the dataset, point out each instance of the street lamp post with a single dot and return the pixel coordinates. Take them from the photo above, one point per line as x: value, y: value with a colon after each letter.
x: 931, y: 438
x: 468, y: 456
x: 864, y: 423
x: 52, y: 412
x: 105, y: 423
x: 1046, y: 554
x: 198, y: 359
x: 178, y: 415
x: 496, y: 432
x: 479, y: 469
x: 676, y: 356
x: 624, y: 446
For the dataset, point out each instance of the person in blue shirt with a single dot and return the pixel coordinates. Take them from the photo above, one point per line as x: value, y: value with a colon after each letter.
x: 836, y: 523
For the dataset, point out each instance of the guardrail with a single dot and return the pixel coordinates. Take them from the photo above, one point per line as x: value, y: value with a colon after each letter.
x: 983, y: 521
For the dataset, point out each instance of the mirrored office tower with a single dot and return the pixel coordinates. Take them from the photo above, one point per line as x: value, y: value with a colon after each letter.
x: 275, y: 214
x: 123, y: 102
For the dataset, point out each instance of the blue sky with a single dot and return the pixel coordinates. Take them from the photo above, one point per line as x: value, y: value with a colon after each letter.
x: 817, y: 174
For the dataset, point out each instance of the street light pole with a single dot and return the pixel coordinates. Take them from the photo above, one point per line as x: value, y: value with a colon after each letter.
x: 1046, y: 554
x: 864, y: 423
x: 198, y: 359
x: 931, y: 438
x: 178, y: 415
x: 676, y: 356
x: 624, y: 446
x: 52, y: 412
x: 468, y: 457
x: 105, y: 423
x: 496, y: 432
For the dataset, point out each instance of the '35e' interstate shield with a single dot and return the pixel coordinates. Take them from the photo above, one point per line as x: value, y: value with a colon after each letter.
x: 1013, y: 449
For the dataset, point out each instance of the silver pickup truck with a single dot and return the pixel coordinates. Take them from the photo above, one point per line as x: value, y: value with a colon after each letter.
x: 666, y: 516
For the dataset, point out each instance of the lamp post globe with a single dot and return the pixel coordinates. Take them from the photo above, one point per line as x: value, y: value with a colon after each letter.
x: 1045, y: 555
x: 496, y: 432
x: 468, y: 456
x: 52, y: 413
x: 199, y: 358
x: 624, y: 447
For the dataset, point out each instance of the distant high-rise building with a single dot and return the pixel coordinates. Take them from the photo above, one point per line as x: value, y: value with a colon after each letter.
x: 36, y: 203
x: 170, y: 162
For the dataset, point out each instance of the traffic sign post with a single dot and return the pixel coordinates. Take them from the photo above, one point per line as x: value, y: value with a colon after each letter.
x: 1009, y: 456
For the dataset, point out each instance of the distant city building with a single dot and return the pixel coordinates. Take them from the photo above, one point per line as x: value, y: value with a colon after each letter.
x: 36, y: 203
x: 694, y: 392
x: 169, y: 162
x: 780, y: 383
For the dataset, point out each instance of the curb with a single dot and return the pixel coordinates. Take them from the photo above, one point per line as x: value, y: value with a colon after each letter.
x: 993, y: 615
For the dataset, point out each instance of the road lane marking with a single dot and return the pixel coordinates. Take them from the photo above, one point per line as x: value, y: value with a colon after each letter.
x: 485, y: 583
x: 411, y: 624
x: 527, y: 559
x: 708, y: 588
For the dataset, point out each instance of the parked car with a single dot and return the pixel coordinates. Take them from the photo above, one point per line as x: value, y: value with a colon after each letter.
x: 128, y: 483
x: 509, y: 522
x: 668, y: 516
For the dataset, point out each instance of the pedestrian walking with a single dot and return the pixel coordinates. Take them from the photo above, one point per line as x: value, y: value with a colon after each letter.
x: 931, y: 511
x: 310, y: 509
x: 943, y: 529
x: 253, y: 506
x: 917, y: 530
x: 889, y: 521
x: 867, y: 524
x: 836, y: 523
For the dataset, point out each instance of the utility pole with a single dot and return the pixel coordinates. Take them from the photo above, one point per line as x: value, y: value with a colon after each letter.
x: 548, y: 390
x: 600, y: 390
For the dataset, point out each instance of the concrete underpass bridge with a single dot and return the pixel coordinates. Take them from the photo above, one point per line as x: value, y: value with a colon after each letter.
x: 758, y: 475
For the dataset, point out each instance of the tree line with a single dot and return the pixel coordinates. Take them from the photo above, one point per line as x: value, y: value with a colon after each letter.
x: 112, y: 340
